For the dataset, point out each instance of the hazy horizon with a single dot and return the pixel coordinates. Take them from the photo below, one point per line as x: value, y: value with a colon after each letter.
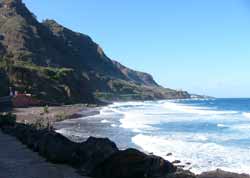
x: 198, y: 46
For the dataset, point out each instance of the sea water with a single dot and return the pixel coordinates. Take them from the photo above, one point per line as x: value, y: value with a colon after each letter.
x: 204, y: 134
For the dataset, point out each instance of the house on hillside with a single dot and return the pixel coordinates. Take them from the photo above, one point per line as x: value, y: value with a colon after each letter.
x: 9, y: 97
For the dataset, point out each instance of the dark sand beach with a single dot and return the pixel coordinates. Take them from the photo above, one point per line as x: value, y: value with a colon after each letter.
x: 31, y: 115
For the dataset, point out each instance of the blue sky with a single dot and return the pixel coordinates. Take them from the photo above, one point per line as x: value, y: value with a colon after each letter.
x: 202, y: 46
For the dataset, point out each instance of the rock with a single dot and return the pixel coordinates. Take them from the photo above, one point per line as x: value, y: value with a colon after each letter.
x: 180, y: 173
x: 132, y: 163
x: 222, y: 174
x: 75, y: 116
x: 176, y: 162
x: 57, y: 148
x: 169, y: 154
x: 180, y: 166
x: 33, y: 138
x: 7, y: 119
x: 100, y: 157
x: 94, y: 151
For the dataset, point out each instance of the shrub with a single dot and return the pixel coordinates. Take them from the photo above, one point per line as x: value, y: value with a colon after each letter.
x: 46, y: 109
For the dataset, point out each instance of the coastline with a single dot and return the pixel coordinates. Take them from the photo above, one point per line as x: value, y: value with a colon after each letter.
x: 90, y: 111
x: 31, y: 115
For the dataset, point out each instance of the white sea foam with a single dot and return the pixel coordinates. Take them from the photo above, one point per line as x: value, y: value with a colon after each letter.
x: 105, y: 121
x: 204, y: 157
x: 198, y: 148
x: 195, y: 109
x: 69, y: 133
x: 129, y: 104
x: 246, y: 114
x: 222, y: 125
x: 241, y: 127
x: 207, y: 137
x: 109, y: 110
x: 137, y: 121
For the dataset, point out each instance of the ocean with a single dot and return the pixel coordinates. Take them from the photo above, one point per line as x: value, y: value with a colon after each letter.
x: 204, y: 134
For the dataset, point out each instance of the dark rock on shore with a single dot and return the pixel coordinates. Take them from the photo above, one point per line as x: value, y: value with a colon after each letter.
x: 176, y: 162
x: 132, y: 163
x: 180, y: 173
x: 222, y: 174
x: 169, y: 154
x: 49, y: 144
x: 7, y: 119
x: 58, y: 149
x: 94, y: 151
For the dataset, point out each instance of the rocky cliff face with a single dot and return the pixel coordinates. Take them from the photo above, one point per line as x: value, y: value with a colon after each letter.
x: 140, y: 78
x: 57, y: 64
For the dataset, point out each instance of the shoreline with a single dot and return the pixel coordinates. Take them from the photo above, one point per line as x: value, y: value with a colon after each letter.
x: 89, y: 111
x: 32, y: 115
x: 178, y: 162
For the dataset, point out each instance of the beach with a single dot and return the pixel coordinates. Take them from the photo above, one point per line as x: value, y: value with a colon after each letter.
x: 128, y: 131
x: 197, y: 134
x: 31, y: 115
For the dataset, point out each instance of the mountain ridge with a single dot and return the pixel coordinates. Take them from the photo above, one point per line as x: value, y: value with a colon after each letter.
x: 57, y: 64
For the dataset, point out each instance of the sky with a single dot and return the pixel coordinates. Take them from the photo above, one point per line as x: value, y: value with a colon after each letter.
x: 202, y: 46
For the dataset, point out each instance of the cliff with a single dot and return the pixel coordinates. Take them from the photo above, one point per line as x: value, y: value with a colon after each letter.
x: 58, y: 65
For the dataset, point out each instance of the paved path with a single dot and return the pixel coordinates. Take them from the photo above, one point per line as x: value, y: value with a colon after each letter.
x: 17, y: 161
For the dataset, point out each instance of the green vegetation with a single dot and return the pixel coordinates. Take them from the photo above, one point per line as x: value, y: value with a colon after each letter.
x: 49, y: 72
x: 46, y: 109
x: 107, y: 96
x: 52, y: 84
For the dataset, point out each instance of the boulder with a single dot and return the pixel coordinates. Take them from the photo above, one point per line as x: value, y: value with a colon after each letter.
x: 94, y: 151
x: 169, y: 154
x: 57, y: 148
x: 222, y: 174
x: 180, y: 173
x: 176, y: 162
x: 7, y: 119
x: 132, y: 163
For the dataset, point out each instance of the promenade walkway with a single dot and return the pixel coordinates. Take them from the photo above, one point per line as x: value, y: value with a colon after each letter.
x: 17, y: 161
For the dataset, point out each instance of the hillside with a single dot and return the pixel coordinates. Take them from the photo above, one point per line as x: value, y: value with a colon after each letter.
x: 58, y: 65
